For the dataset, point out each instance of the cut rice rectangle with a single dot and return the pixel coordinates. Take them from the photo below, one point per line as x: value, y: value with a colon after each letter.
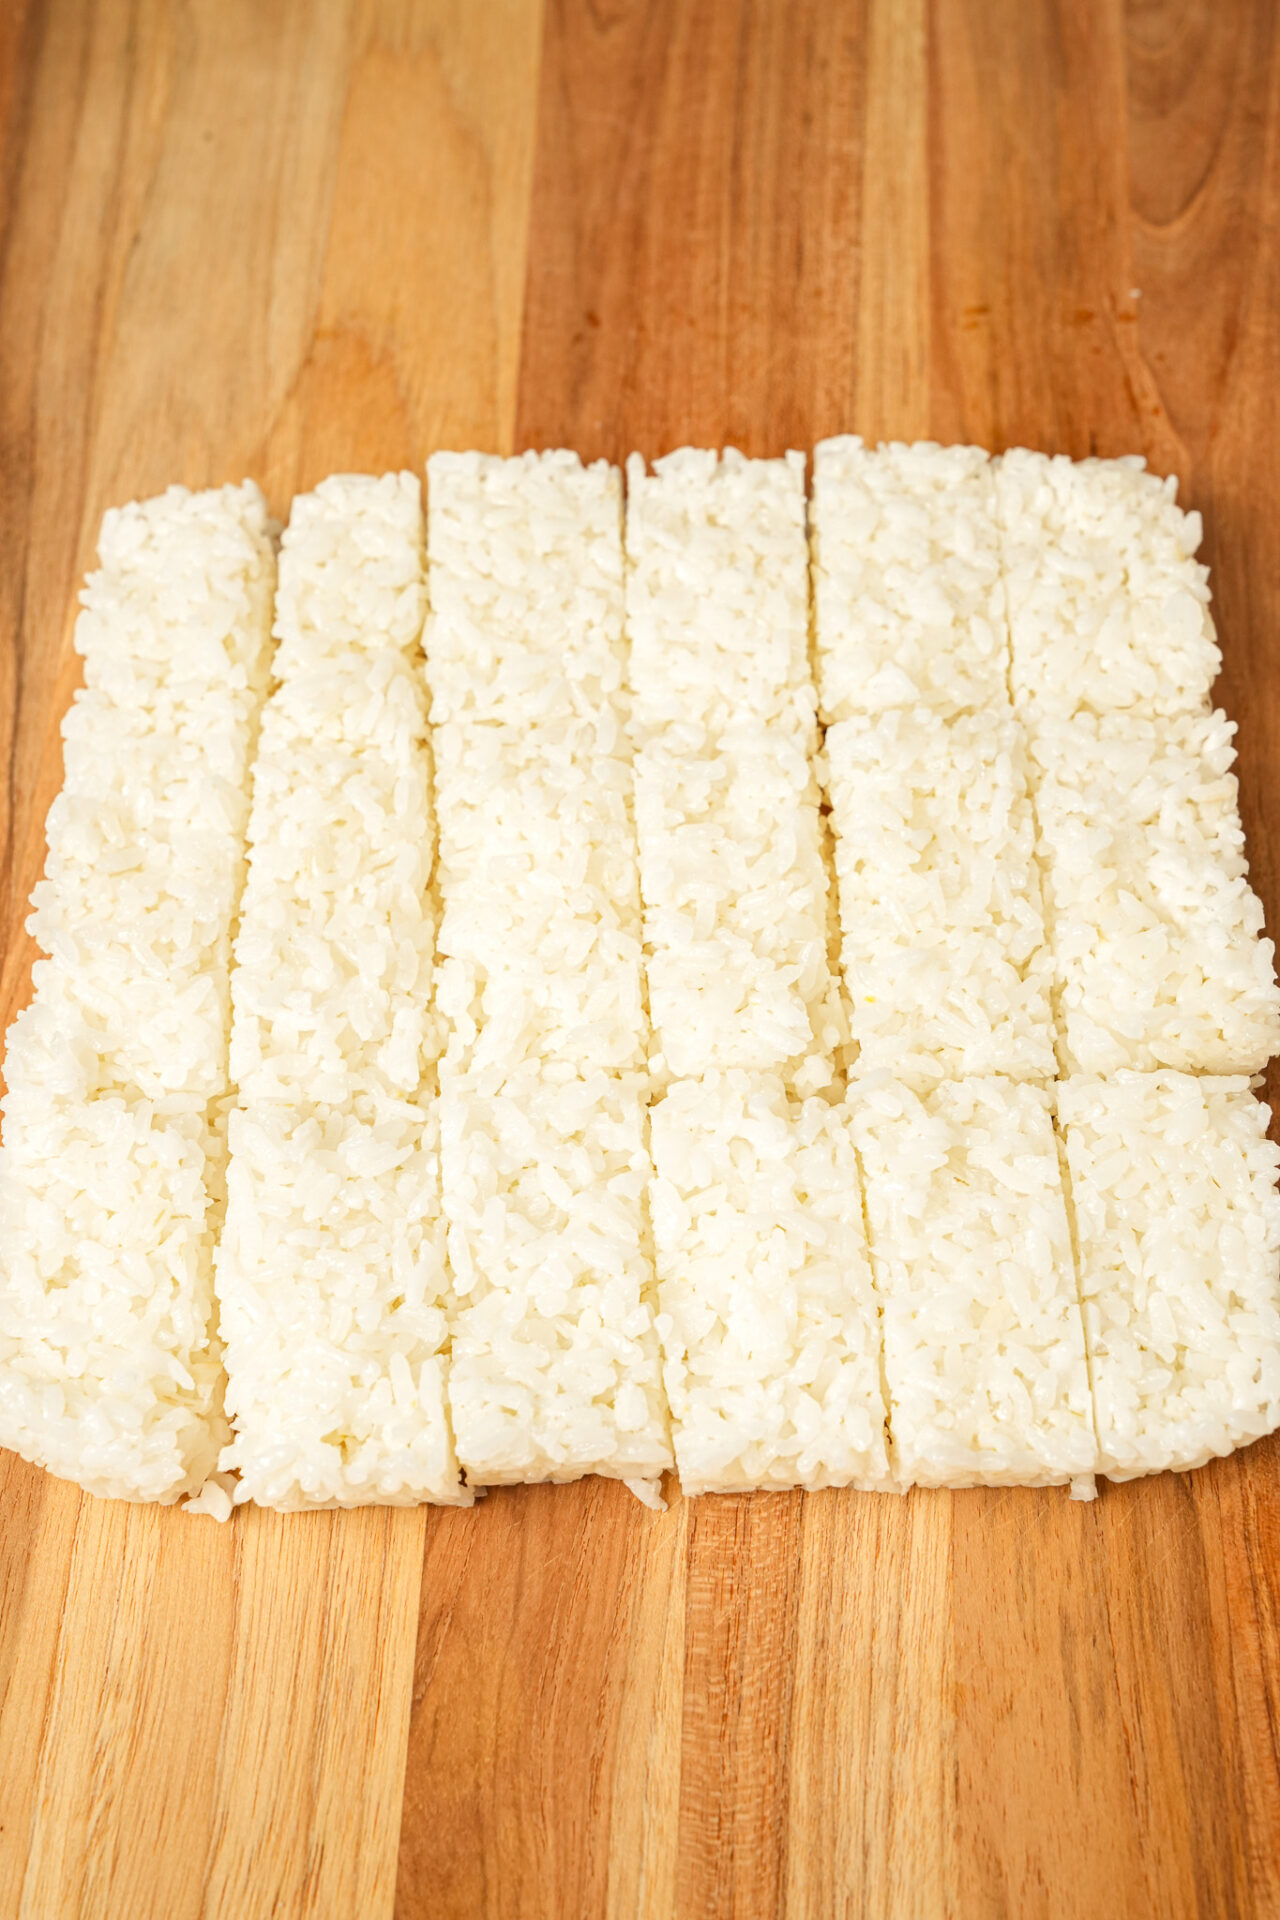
x: 908, y: 597
x: 1157, y: 934
x: 332, y: 1288
x: 717, y: 596
x: 767, y: 1313
x: 555, y: 1369
x: 943, y: 947
x: 1108, y: 606
x: 737, y: 919
x: 984, y: 1351
x: 1173, y: 1183
x: 555, y: 1359
x: 113, y: 1163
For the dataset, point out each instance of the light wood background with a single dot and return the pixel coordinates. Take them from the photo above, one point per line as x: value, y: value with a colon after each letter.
x: 274, y: 237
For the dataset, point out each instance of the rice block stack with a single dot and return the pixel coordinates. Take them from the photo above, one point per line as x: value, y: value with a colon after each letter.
x: 555, y: 1366
x: 332, y: 1280
x: 767, y: 1313
x: 113, y: 1164
x: 984, y: 1353
x: 1157, y: 935
x: 943, y: 946
x: 1177, y: 1217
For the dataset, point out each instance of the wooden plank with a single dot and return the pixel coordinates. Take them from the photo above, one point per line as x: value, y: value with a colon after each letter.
x: 544, y: 1744
x: 214, y: 262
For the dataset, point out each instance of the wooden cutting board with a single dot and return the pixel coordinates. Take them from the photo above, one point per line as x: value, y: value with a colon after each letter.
x: 272, y: 237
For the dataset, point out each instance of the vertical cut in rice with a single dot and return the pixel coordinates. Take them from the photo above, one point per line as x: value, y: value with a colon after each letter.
x: 727, y: 806
x: 331, y: 1272
x: 908, y: 595
x: 1173, y: 1183
x: 943, y: 949
x: 1108, y: 606
x: 555, y: 1369
x: 983, y: 1344
x: 112, y: 1175
x: 1157, y: 934
x: 767, y: 1312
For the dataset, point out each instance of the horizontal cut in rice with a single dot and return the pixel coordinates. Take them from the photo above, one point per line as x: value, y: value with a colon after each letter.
x: 1173, y: 1183
x: 555, y: 1367
x: 983, y: 1344
x: 555, y: 1358
x: 768, y: 1319
x: 909, y: 602
x: 736, y: 911
x: 1157, y: 934
x: 944, y: 952
x: 1108, y: 606
x: 112, y: 1172
x: 331, y: 1278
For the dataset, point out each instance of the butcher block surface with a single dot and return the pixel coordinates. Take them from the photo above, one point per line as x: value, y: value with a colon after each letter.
x: 281, y: 239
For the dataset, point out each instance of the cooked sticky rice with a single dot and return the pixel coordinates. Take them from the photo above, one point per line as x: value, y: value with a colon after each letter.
x: 944, y: 953
x: 908, y: 595
x: 1173, y: 1184
x: 112, y: 1169
x: 332, y: 1287
x: 555, y: 1369
x: 983, y: 1343
x: 1108, y: 606
x: 1157, y: 934
x: 767, y: 1314
x: 717, y: 595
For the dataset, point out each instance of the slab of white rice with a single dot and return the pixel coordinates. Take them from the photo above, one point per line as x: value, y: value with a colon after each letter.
x: 1108, y: 606
x: 717, y: 595
x: 555, y: 1366
x: 943, y: 940
x: 1157, y: 933
x: 908, y: 597
x: 983, y: 1343
x: 768, y: 1320
x: 736, y: 912
x: 1173, y: 1182
x: 112, y: 1172
x: 331, y: 1278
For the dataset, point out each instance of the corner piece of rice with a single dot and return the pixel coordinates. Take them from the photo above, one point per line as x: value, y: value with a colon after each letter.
x: 984, y: 1352
x: 1177, y: 1218
x: 1108, y: 606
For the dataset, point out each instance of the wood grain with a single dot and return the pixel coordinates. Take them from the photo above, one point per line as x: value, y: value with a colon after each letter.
x: 312, y: 235
x: 236, y: 239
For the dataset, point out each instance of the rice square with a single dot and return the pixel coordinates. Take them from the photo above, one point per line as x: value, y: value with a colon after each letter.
x: 767, y: 1313
x: 1157, y: 935
x: 1108, y: 606
x: 1177, y: 1218
x: 943, y: 948
x: 984, y: 1352
x: 908, y: 597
